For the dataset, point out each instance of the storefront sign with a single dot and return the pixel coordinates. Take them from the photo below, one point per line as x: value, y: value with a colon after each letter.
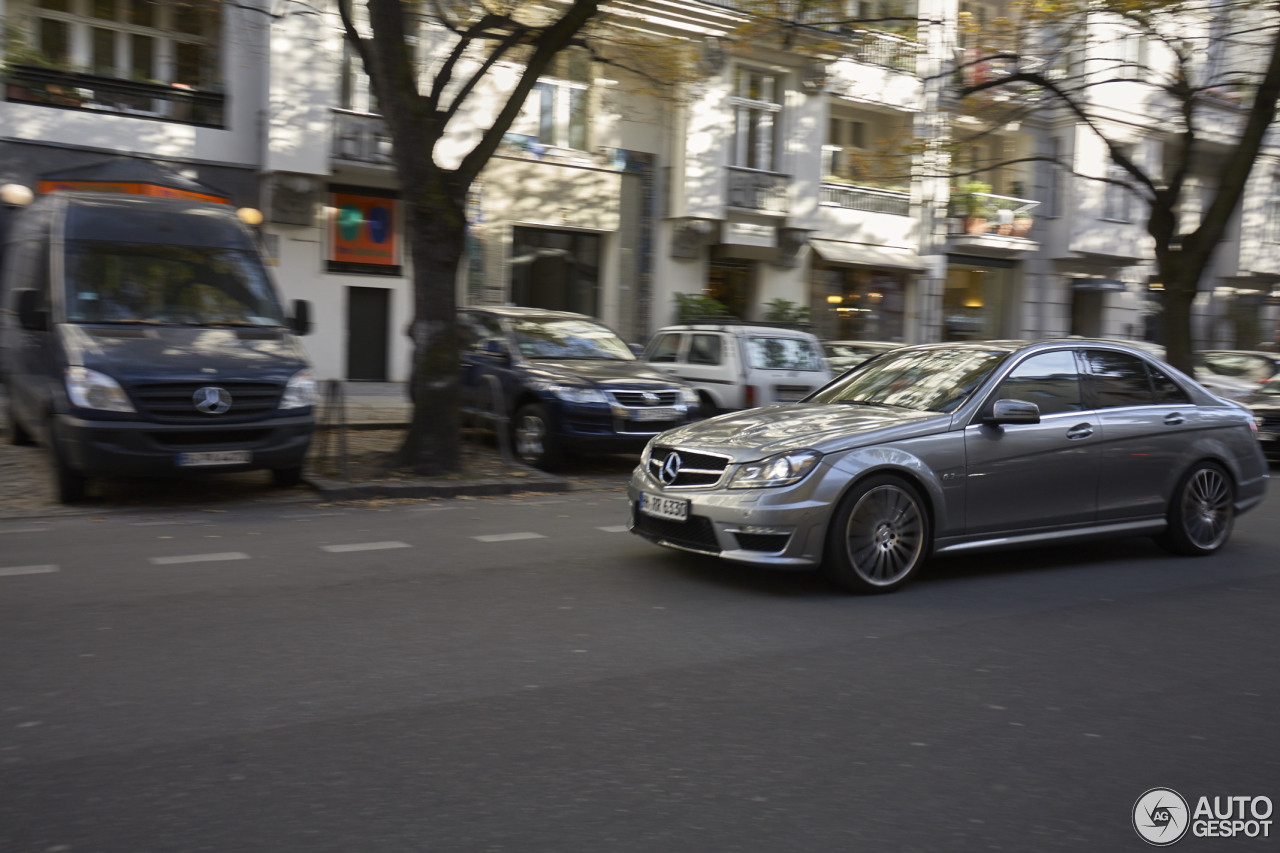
x: 362, y: 233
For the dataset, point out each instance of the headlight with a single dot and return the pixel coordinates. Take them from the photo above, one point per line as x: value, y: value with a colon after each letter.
x: 89, y: 389
x: 300, y: 391
x: 688, y: 395
x: 577, y: 394
x: 781, y: 470
x: 647, y: 452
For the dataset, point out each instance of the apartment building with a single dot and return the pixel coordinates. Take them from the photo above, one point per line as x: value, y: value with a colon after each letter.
x: 812, y: 178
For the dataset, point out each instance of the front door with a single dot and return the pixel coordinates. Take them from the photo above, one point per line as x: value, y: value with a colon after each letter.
x: 368, y: 325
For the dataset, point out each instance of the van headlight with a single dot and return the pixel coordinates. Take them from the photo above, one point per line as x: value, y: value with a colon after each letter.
x: 89, y: 389
x: 300, y: 391
x: 578, y: 393
x: 784, y: 469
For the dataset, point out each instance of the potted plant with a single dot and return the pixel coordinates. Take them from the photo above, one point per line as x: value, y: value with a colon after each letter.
x: 976, y: 204
x: 1021, y: 223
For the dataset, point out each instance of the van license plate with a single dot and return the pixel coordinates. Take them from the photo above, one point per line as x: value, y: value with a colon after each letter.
x: 672, y: 509
x: 210, y: 458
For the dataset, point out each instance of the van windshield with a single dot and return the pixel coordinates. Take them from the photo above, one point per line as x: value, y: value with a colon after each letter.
x: 148, y: 283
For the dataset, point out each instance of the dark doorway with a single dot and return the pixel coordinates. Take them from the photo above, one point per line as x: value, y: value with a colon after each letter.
x: 558, y: 270
x: 368, y: 323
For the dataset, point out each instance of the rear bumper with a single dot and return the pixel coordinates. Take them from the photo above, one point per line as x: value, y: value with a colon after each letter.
x: 132, y: 448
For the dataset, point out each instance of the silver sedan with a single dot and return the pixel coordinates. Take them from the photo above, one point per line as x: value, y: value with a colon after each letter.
x: 947, y: 448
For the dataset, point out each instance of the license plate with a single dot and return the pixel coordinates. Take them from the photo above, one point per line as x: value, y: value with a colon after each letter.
x: 210, y: 458
x: 652, y: 414
x: 672, y: 509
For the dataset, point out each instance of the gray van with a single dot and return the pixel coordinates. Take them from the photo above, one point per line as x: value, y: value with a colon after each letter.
x: 142, y: 336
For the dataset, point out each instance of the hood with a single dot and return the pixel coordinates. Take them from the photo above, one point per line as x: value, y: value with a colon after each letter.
x: 599, y: 371
x: 825, y: 427
x: 134, y: 354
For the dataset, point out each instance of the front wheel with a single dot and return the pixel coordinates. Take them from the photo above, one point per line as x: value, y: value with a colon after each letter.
x: 70, y: 484
x: 535, y: 443
x: 879, y: 536
x: 1202, y: 512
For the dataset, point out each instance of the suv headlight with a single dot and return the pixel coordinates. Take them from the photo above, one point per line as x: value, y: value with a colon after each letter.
x: 577, y: 394
x: 89, y: 389
x: 783, y: 469
x: 300, y: 391
x: 688, y: 395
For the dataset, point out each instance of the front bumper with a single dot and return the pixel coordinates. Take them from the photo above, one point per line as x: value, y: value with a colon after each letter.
x: 141, y: 449
x: 780, y: 527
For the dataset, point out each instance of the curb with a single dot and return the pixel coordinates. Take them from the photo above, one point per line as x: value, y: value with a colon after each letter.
x: 337, y: 490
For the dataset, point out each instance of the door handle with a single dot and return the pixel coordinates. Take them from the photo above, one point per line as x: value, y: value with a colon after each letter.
x: 1080, y: 431
x: 1174, y: 419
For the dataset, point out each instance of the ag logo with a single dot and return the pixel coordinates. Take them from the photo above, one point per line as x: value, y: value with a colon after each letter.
x: 1161, y: 816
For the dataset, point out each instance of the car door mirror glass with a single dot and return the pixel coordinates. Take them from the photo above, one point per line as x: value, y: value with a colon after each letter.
x: 1013, y: 412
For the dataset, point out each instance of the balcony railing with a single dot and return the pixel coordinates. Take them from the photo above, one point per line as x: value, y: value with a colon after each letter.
x: 52, y: 87
x: 885, y: 50
x: 985, y: 213
x: 361, y: 138
x: 867, y: 199
x: 753, y: 189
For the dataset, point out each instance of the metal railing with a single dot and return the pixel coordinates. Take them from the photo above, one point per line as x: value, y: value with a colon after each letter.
x: 754, y: 189
x: 867, y: 199
x: 361, y: 138
x: 53, y: 87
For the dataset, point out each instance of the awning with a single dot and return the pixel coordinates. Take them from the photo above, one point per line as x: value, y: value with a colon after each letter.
x: 1104, y: 285
x: 133, y: 176
x: 866, y: 255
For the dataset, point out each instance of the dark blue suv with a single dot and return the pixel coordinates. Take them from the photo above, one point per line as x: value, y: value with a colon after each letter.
x: 567, y: 383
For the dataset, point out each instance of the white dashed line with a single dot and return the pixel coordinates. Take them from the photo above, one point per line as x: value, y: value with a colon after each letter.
x: 27, y: 570
x: 508, y: 537
x: 26, y: 530
x: 614, y: 528
x: 200, y: 558
x: 364, y: 546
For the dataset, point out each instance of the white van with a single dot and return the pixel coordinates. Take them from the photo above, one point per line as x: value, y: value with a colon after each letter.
x: 739, y: 365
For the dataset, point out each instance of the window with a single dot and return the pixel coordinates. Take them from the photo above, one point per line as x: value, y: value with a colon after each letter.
x: 704, y: 349
x: 756, y: 105
x: 782, y: 354
x: 845, y: 138
x: 133, y: 39
x: 1117, y: 379
x: 665, y: 349
x: 1050, y: 380
x: 1117, y: 199
x: 555, y: 113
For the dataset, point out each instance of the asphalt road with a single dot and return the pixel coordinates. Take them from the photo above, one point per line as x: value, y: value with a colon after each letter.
x: 520, y: 674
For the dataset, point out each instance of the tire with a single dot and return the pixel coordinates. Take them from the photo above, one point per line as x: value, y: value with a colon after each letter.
x: 707, y: 407
x: 69, y: 483
x: 534, y: 442
x: 1202, y: 511
x: 17, y: 433
x: 286, y: 477
x: 879, y: 536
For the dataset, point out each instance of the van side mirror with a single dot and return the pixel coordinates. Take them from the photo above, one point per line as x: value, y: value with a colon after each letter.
x: 1012, y: 412
x: 31, y: 316
x: 300, y: 324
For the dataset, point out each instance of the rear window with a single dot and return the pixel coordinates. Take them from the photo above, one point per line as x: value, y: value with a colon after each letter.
x: 775, y: 353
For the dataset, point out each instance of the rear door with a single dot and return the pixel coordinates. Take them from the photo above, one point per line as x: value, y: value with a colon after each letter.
x: 1022, y: 477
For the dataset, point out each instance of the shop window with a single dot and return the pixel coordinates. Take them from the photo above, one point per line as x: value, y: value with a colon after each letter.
x: 850, y: 304
x: 558, y: 270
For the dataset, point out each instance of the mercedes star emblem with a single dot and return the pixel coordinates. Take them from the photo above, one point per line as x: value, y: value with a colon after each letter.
x: 212, y: 400
x: 650, y: 398
x: 670, y: 468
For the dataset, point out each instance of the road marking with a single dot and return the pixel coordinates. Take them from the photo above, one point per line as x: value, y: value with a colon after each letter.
x: 27, y: 570
x: 199, y: 558
x: 364, y: 546
x: 614, y: 528
x: 508, y: 537
x: 27, y: 530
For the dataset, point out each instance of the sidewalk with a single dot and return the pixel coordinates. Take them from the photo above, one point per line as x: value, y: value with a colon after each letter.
x: 382, y: 405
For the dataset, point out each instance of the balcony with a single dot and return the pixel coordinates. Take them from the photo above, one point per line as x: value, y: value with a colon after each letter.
x: 757, y: 191
x: 867, y: 199
x: 992, y: 225
x: 52, y: 87
x: 360, y: 138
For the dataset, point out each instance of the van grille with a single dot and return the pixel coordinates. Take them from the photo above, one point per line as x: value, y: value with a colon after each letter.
x: 174, y: 402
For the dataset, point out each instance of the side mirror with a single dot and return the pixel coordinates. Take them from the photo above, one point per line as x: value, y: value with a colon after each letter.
x: 1012, y: 412
x: 636, y: 349
x: 31, y: 316
x: 496, y: 347
x: 300, y: 324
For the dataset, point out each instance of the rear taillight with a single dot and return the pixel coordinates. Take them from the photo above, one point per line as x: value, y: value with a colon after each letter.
x: 750, y: 396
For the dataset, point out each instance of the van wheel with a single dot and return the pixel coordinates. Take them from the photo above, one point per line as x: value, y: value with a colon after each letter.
x: 878, y: 537
x: 286, y: 477
x: 707, y: 407
x: 535, y: 444
x: 17, y: 433
x: 71, y: 485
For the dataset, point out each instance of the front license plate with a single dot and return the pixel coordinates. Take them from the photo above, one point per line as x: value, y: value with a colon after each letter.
x: 653, y: 414
x: 672, y: 509
x: 210, y: 458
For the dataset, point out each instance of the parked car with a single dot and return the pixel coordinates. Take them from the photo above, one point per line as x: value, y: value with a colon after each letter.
x: 1218, y: 381
x: 736, y: 365
x: 567, y: 383
x: 945, y: 448
x: 1247, y: 365
x: 1265, y: 405
x: 843, y: 355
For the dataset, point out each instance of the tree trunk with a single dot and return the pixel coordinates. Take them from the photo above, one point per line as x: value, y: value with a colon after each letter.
x: 1181, y: 283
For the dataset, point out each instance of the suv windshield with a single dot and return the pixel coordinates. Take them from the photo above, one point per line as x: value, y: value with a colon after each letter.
x: 927, y: 380
x: 568, y: 339
x: 151, y: 283
x: 782, y: 353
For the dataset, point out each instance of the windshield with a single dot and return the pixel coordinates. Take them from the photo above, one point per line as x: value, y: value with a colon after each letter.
x: 926, y: 380
x: 783, y: 353
x: 151, y: 283
x: 568, y: 338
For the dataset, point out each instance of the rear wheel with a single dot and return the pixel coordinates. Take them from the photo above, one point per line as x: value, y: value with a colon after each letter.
x: 535, y: 443
x: 879, y: 536
x: 1202, y: 512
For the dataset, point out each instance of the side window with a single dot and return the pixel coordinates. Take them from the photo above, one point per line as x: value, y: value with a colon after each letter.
x: 478, y: 330
x: 27, y: 267
x: 1117, y: 379
x: 704, y: 349
x: 1166, y: 390
x: 666, y: 348
x: 1050, y: 380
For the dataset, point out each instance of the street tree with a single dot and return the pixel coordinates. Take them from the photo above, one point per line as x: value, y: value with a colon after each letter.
x: 1205, y: 74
